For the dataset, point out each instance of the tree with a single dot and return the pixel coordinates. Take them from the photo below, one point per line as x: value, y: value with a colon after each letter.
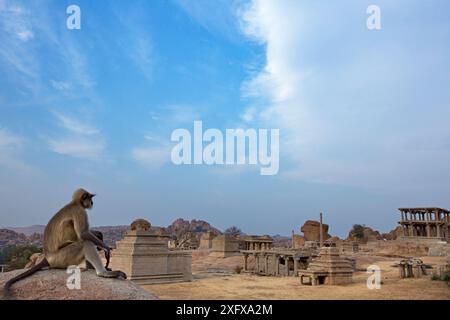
x: 358, y: 231
x: 18, y: 256
x: 233, y: 231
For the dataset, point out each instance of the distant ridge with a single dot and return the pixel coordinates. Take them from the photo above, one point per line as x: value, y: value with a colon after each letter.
x: 28, y: 231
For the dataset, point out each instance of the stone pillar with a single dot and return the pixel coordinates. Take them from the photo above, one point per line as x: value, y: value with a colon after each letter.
x: 277, y: 265
x: 257, y: 263
x: 245, y: 262
x: 266, y: 264
x: 321, y: 232
x: 286, y: 264
x: 438, y: 230
x: 427, y: 227
x: 411, y: 230
x: 401, y: 268
x: 295, y: 267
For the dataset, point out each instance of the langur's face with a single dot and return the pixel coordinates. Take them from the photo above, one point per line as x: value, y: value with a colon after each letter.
x: 86, y: 200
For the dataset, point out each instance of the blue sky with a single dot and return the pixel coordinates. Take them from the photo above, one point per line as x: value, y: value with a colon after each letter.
x: 363, y: 115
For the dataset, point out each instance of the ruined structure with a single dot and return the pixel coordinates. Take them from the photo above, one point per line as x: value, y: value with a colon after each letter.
x: 277, y: 262
x: 146, y: 259
x: 431, y: 223
x: 311, y: 232
x: 206, y: 240
x: 258, y: 243
x: 224, y: 246
x: 328, y: 268
x: 411, y: 268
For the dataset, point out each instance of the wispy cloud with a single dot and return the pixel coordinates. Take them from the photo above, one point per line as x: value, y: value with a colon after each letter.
x: 155, y: 150
x: 75, y: 126
x: 25, y: 30
x: 11, y: 148
x: 339, y: 96
x: 77, y: 139
x: 218, y: 17
x: 151, y: 157
x: 89, y: 149
x: 136, y: 43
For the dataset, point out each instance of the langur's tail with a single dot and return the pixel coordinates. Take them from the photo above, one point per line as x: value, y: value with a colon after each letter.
x: 43, y: 264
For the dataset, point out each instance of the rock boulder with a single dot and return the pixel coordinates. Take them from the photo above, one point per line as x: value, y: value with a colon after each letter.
x: 52, y: 285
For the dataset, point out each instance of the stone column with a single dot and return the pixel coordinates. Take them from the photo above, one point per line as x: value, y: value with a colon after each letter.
x: 287, y: 266
x: 401, y: 268
x: 266, y: 264
x: 411, y: 230
x: 321, y: 232
x: 428, y: 230
x: 438, y: 230
x: 295, y: 267
x: 245, y: 262
x: 277, y: 265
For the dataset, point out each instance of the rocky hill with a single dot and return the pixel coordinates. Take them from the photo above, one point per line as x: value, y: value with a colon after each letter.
x: 176, y: 230
x: 9, y: 237
x: 28, y: 231
x: 180, y: 227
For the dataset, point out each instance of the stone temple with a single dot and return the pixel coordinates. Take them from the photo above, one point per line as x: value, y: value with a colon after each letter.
x: 328, y: 268
x: 146, y: 259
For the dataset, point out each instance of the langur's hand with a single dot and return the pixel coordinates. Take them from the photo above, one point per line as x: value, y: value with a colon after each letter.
x: 107, y: 251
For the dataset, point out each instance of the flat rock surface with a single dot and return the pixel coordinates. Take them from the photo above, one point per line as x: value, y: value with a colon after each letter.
x: 51, y: 285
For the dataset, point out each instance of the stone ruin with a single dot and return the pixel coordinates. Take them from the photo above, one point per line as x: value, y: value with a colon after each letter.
x: 206, y: 240
x: 411, y: 268
x: 328, y: 268
x: 311, y: 232
x: 146, y: 259
x: 224, y: 246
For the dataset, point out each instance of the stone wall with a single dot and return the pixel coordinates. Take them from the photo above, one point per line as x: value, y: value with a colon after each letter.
x: 225, y: 246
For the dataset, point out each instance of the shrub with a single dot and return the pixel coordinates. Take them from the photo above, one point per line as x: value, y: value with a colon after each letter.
x: 238, y: 269
x: 358, y: 231
x: 18, y: 256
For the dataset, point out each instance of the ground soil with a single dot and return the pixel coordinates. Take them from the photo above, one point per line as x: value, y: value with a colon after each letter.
x: 215, y: 279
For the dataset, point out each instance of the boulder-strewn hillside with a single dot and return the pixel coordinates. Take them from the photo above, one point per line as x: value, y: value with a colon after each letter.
x: 28, y: 231
x: 365, y: 234
x: 9, y: 237
x: 180, y: 227
x: 177, y: 230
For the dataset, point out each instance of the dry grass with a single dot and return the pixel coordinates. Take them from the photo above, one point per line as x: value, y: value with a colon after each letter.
x: 213, y: 286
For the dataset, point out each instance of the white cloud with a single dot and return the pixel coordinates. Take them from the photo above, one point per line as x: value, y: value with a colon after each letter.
x: 61, y: 85
x: 218, y: 17
x: 82, y: 148
x: 343, y: 97
x: 11, y: 148
x: 151, y: 157
x: 136, y: 43
x: 78, y: 139
x: 249, y: 114
x: 75, y: 125
x: 8, y: 140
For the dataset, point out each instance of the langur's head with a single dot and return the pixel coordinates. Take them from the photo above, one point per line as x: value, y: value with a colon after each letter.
x: 84, y: 198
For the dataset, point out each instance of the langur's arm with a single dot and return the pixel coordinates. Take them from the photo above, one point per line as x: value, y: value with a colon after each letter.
x: 87, y: 235
x: 81, y: 227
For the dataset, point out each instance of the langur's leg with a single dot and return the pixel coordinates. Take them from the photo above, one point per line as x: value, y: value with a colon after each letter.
x: 69, y: 255
x: 92, y: 256
x: 99, y: 235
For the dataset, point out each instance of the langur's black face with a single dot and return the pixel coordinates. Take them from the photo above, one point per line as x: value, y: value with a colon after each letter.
x: 86, y: 200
